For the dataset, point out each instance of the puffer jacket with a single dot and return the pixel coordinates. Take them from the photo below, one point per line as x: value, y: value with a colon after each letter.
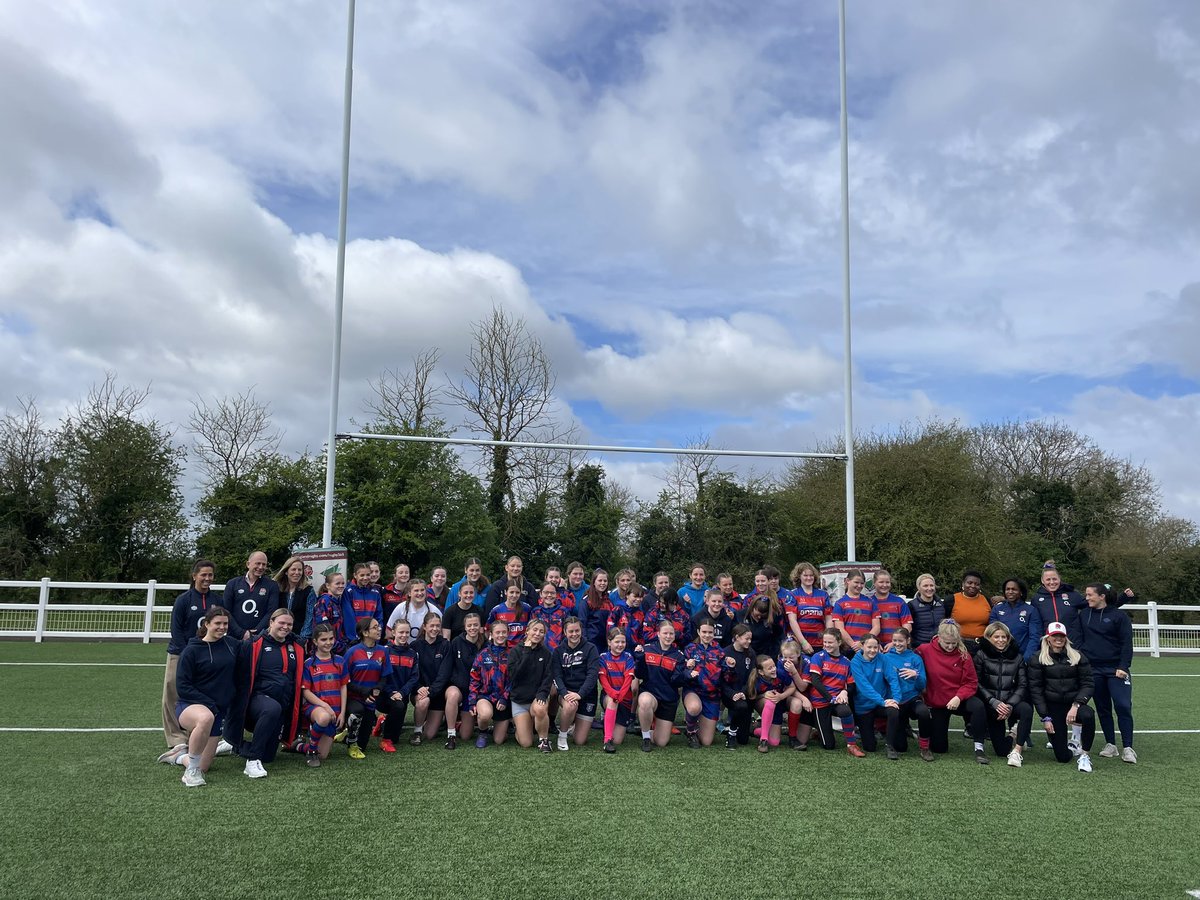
x: 1002, y: 676
x: 1060, y: 682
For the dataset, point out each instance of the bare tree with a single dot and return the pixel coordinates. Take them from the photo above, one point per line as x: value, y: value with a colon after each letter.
x: 407, y: 400
x: 231, y: 434
x: 686, y: 478
x: 508, y: 394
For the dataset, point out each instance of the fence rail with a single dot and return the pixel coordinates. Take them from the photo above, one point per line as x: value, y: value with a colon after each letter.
x: 151, y: 621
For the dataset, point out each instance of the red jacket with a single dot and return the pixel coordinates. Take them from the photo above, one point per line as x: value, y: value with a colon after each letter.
x: 947, y: 674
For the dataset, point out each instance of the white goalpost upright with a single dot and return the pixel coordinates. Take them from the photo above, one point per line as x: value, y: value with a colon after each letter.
x: 333, y: 436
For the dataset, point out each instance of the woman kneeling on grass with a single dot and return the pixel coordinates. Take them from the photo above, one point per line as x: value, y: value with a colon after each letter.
x: 487, y: 698
x: 205, y: 684
x: 1060, y: 682
x: 324, y: 686
x: 269, y: 672
x: 950, y: 687
x: 1004, y: 688
x: 662, y: 671
x: 530, y: 667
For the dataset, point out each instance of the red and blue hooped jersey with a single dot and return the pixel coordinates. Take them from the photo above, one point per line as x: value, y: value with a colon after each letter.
x: 325, y: 678
x: 893, y: 613
x: 368, y: 668
x: 516, y: 619
x: 831, y: 672
x: 553, y: 617
x: 856, y: 615
x: 616, y: 676
x: 810, y: 611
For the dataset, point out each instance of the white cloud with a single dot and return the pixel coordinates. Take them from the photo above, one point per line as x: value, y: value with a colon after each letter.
x: 718, y: 365
x: 1160, y: 433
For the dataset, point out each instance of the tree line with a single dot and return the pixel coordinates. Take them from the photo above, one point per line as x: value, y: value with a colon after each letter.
x: 98, y: 496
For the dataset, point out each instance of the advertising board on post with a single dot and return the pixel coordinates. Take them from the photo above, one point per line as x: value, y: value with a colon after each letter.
x: 322, y: 561
x: 833, y: 576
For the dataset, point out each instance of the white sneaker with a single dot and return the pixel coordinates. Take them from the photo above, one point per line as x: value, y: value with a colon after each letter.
x: 1014, y: 759
x: 224, y: 748
x: 193, y: 777
x: 1075, y: 749
x: 254, y: 769
x: 169, y: 756
x: 181, y: 759
x: 1127, y: 755
x: 1109, y: 751
x: 1085, y: 763
x: 562, y: 741
x: 1049, y: 745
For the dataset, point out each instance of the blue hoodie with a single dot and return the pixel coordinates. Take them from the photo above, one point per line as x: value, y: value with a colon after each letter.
x: 205, y: 673
x: 693, y: 597
x: 1107, y: 639
x: 903, y: 689
x: 1025, y: 623
x: 870, y: 683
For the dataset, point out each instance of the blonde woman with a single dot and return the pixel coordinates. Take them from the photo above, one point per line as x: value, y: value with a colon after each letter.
x: 1060, y: 682
x: 950, y: 689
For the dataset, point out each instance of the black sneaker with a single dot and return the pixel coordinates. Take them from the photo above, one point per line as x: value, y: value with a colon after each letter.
x: 646, y: 745
x: 794, y: 743
x: 610, y: 747
x: 981, y: 758
x: 693, y: 741
x: 544, y: 745
x: 763, y: 746
x: 801, y: 747
x: 730, y: 741
x: 415, y: 740
x: 892, y: 754
x: 451, y: 741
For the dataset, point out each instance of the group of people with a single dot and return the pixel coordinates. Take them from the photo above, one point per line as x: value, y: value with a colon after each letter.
x: 302, y: 669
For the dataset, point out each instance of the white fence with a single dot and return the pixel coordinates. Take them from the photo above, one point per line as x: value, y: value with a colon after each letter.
x: 150, y: 620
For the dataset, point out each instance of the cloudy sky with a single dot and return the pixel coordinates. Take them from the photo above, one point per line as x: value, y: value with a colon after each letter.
x: 653, y: 186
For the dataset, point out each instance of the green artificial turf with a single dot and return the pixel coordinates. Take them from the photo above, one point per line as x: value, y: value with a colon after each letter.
x: 92, y: 815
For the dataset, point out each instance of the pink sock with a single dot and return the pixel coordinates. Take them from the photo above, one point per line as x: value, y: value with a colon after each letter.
x: 772, y: 740
x: 610, y: 722
x: 768, y: 719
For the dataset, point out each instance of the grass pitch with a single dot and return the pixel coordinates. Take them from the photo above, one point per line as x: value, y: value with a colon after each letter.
x: 92, y: 815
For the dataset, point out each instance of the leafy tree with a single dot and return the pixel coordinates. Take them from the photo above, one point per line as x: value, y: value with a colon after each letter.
x: 413, y: 503
x: 28, y: 493
x: 121, y: 516
x: 921, y: 505
x: 591, y: 523
x: 275, y: 506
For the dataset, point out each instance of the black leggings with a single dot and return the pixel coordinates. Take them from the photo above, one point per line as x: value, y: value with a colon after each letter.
x: 898, y: 719
x: 998, y: 728
x: 360, y: 732
x: 739, y: 719
x: 1062, y: 731
x: 395, y: 710
x: 938, y: 723
x: 825, y: 716
x: 866, y: 726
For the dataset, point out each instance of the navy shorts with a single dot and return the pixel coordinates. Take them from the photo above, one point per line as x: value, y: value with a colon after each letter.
x: 587, y: 706
x: 218, y: 722
x: 710, y: 707
x: 667, y: 710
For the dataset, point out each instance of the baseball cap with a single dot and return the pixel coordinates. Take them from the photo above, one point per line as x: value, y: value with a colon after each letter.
x: 1056, y: 628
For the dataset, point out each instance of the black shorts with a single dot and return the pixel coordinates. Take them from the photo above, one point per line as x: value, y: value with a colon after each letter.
x: 502, y: 715
x: 437, y: 702
x: 587, y: 706
x: 666, y: 710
